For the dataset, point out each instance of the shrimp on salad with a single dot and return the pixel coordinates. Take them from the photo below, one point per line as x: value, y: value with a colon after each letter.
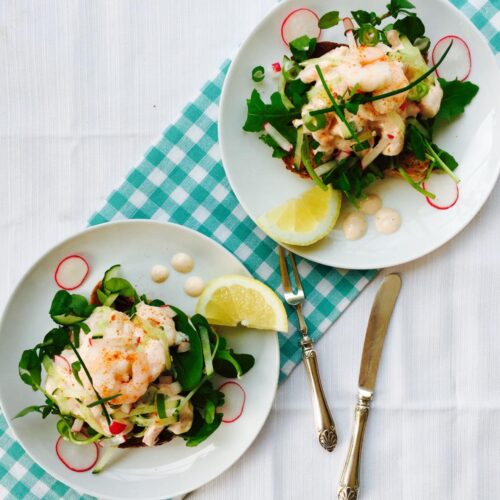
x: 348, y: 114
x: 123, y: 370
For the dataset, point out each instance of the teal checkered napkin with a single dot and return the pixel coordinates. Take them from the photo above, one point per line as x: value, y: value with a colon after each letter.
x: 181, y: 179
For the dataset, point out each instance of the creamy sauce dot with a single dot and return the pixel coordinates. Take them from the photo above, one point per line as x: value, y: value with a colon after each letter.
x: 387, y: 221
x: 371, y: 204
x: 182, y: 262
x: 159, y: 273
x: 194, y: 285
x: 354, y: 226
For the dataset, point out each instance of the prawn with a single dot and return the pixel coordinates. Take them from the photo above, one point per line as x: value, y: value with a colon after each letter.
x: 396, y: 81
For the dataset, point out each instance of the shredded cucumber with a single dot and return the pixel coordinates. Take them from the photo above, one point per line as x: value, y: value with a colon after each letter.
x: 207, y: 354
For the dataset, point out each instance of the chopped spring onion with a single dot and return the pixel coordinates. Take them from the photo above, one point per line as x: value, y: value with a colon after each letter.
x: 297, y: 159
x: 418, y: 92
x: 258, y: 74
x: 160, y: 405
x: 314, y: 123
x: 290, y: 69
x: 281, y: 141
x: 414, y: 185
x: 422, y: 43
x: 101, y: 401
x: 207, y: 354
x: 306, y: 160
x: 368, y: 35
x: 361, y: 146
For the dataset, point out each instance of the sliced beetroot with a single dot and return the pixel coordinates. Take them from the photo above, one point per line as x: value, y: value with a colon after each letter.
x: 77, y: 457
x: 298, y: 23
x: 458, y: 62
x: 71, y: 272
x: 234, y: 401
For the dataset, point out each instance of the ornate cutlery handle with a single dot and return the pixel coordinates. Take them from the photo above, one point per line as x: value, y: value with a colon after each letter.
x: 349, y: 480
x: 324, y: 421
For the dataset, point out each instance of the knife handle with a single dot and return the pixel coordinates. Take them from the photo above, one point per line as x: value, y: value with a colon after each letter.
x: 325, y: 425
x: 349, y: 480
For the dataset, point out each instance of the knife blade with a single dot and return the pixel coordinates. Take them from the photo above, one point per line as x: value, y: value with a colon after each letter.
x: 380, y: 315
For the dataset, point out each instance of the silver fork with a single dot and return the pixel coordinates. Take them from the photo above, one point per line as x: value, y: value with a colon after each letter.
x: 325, y: 425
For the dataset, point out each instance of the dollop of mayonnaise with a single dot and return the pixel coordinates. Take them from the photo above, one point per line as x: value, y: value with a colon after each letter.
x: 182, y: 262
x: 354, y: 226
x: 159, y: 273
x: 387, y: 221
x: 194, y: 285
x: 371, y: 204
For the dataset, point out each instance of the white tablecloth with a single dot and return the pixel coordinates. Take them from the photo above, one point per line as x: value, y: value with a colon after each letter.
x: 86, y: 87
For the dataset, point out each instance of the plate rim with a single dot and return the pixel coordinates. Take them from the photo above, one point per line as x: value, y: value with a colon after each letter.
x: 310, y: 255
x: 96, y: 228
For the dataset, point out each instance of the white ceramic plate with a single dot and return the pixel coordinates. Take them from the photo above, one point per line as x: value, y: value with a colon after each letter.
x: 163, y: 471
x: 261, y: 182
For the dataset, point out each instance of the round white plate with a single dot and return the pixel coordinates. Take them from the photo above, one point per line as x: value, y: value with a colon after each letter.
x: 163, y: 471
x: 261, y: 182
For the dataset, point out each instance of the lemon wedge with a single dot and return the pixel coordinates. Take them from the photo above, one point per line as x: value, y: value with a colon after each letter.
x: 233, y: 300
x: 304, y: 220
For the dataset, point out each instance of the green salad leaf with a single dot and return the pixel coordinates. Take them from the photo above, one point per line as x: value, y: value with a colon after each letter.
x: 329, y: 20
x: 456, y: 96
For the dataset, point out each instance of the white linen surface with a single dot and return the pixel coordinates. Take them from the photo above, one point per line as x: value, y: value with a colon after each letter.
x: 85, y: 89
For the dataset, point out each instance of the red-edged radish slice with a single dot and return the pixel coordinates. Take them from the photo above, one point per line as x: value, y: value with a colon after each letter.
x: 62, y: 362
x: 234, y: 401
x: 349, y: 32
x: 281, y: 141
x: 71, y: 272
x: 298, y: 23
x: 445, y: 189
x: 276, y: 67
x: 458, y: 62
x: 77, y: 457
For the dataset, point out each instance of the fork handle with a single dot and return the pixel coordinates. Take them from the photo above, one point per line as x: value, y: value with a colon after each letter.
x: 325, y: 425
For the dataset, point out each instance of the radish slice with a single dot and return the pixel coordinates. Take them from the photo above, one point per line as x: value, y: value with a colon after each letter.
x: 349, y: 32
x: 62, y: 362
x: 234, y: 401
x: 77, y: 457
x: 458, y: 62
x: 445, y: 189
x: 281, y: 141
x: 71, y: 272
x: 298, y: 23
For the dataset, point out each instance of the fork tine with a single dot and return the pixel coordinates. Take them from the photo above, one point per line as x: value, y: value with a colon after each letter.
x: 296, y: 275
x: 285, y: 279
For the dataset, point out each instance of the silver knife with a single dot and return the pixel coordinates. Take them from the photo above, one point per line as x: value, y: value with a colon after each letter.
x: 380, y: 315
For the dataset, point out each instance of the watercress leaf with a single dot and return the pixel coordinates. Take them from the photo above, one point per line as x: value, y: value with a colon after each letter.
x: 411, y: 26
x: 121, y: 286
x: 156, y: 303
x: 209, y: 411
x: 447, y: 158
x: 258, y: 112
x: 188, y: 365
x: 75, y: 368
x: 84, y: 327
x: 329, y: 20
x: 197, y: 434
x: 456, y: 96
x: 30, y: 368
x: 60, y: 303
x: 278, y: 152
x: 302, y: 48
x: 55, y: 342
x: 246, y: 361
x: 78, y: 305
x: 226, y: 365
x: 416, y: 142
x: 29, y: 409
x: 361, y: 16
x: 396, y: 5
